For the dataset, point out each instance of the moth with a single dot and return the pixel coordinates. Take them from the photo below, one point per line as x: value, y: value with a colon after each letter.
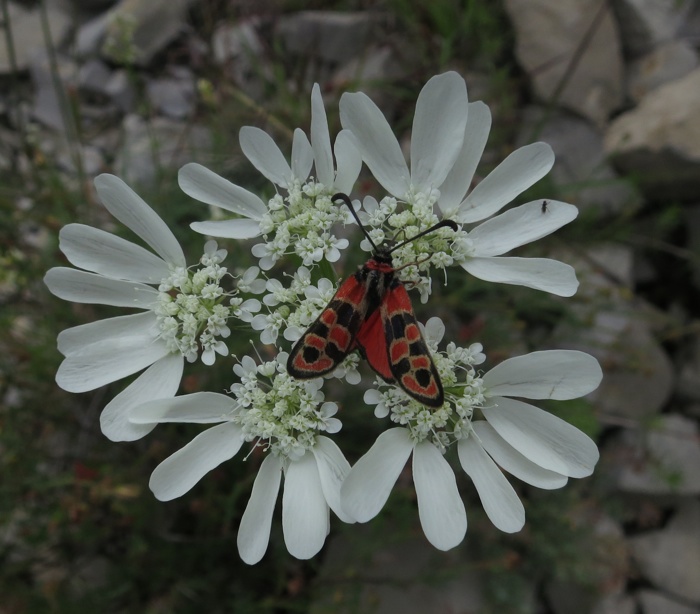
x: 372, y: 312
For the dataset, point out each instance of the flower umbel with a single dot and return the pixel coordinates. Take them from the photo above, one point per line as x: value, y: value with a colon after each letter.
x: 430, y: 215
x: 282, y: 417
x: 529, y: 443
x: 444, y: 157
x: 181, y: 310
x: 298, y: 222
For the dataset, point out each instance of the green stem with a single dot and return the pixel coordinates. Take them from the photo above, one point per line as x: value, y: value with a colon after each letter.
x: 326, y: 269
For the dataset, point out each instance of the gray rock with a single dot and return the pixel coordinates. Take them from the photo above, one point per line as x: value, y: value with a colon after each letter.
x: 663, y: 64
x: 90, y: 36
x: 690, y: 28
x: 615, y: 604
x: 93, y: 77
x: 660, y: 460
x: 644, y: 24
x: 638, y: 374
x: 28, y: 36
x: 173, y: 96
x: 605, y: 557
x: 659, y: 141
x: 402, y: 575
x: 139, y: 29
x: 581, y: 171
x: 237, y: 42
x: 240, y: 49
x: 161, y: 144
x: 547, y: 34
x: 652, y: 602
x: 378, y: 64
x: 328, y: 35
x: 51, y: 106
x: 670, y: 558
x: 133, y: 31
x: 90, y: 159
x: 121, y: 91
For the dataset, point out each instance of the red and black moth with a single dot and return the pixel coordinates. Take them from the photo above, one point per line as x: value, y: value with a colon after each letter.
x: 372, y: 312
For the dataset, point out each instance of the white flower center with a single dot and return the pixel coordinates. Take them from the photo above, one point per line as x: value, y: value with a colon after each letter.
x: 287, y: 414
x: 449, y: 423
x: 301, y: 223
x: 190, y: 308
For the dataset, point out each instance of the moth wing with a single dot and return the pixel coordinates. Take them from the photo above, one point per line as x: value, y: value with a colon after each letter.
x: 372, y: 343
x: 332, y: 336
x: 408, y: 356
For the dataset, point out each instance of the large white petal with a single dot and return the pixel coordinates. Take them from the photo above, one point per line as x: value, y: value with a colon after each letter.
x: 370, y: 481
x: 304, y: 508
x: 546, y: 440
x: 228, y: 229
x: 333, y: 468
x: 104, y: 253
x: 550, y: 374
x: 520, y: 170
x: 321, y: 139
x: 254, y: 530
x: 75, y: 339
x: 83, y: 287
x: 438, y: 129
x: 458, y: 181
x: 376, y: 142
x: 206, y: 186
x: 160, y: 381
x: 441, y: 510
x: 102, y: 363
x: 181, y: 471
x: 538, y: 273
x: 302, y: 155
x: 131, y: 210
x: 263, y: 153
x: 500, y: 501
x: 348, y: 161
x: 198, y: 407
x: 519, y: 226
x: 513, y: 462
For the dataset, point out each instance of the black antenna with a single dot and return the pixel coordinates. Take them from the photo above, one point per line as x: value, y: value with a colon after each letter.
x: 441, y: 224
x: 348, y: 204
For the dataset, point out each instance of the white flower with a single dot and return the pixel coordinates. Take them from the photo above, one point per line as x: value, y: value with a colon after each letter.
x: 269, y: 326
x: 284, y: 417
x: 447, y: 141
x: 529, y: 443
x: 480, y: 251
x: 436, y: 139
x: 301, y: 219
x: 371, y: 479
x: 347, y: 370
x: 120, y: 274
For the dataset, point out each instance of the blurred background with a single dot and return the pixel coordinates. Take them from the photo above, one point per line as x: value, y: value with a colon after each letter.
x: 140, y: 87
